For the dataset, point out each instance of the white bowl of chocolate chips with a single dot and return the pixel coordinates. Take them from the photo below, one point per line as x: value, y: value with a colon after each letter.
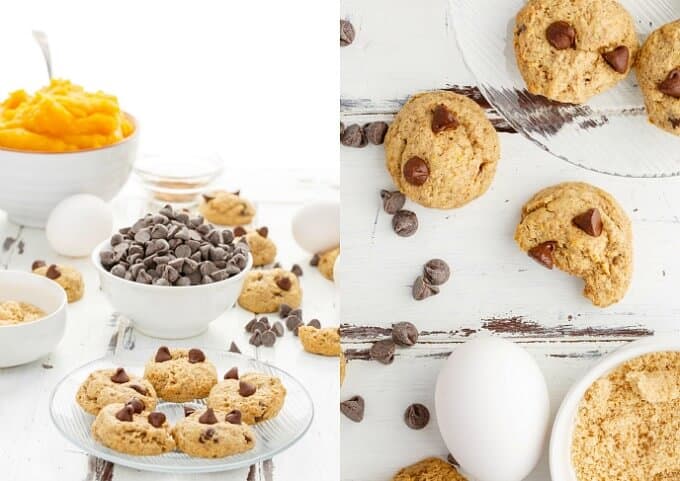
x: 172, y: 274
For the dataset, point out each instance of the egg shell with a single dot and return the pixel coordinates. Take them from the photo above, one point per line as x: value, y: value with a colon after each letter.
x: 316, y: 226
x: 492, y: 408
x: 78, y: 224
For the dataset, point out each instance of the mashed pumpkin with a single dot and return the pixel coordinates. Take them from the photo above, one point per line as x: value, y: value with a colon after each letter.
x: 61, y: 117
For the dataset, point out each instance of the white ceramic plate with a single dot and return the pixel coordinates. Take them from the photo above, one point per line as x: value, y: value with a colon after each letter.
x: 609, y: 134
x: 272, y: 436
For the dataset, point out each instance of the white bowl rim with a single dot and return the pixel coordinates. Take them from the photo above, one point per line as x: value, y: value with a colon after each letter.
x: 562, y: 429
x: 95, y: 260
x: 82, y: 151
x: 49, y: 284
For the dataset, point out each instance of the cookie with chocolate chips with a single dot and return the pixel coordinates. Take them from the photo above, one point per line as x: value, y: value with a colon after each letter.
x: 67, y: 277
x: 180, y: 375
x: 108, y: 386
x: 441, y: 150
x: 257, y: 396
x: 582, y: 230
x: 212, y: 433
x: 226, y: 208
x: 266, y: 290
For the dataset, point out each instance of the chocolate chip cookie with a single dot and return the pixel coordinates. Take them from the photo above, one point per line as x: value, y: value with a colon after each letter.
x: 261, y: 246
x: 324, y: 341
x: 569, y: 51
x: 441, y: 150
x: 226, y: 208
x: 266, y: 290
x: 430, y: 469
x: 180, y: 375
x: 108, y: 386
x: 583, y: 231
x: 658, y: 72
x: 210, y: 433
x: 67, y: 277
x: 327, y: 263
x: 132, y: 429
x: 257, y: 396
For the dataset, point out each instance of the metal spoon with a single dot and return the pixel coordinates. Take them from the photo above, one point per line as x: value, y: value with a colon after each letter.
x: 41, y: 39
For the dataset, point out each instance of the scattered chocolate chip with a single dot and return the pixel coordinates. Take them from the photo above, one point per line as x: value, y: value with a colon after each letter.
x: 120, y: 376
x: 617, y: 58
x: 246, y: 389
x: 392, y: 201
x: 297, y: 313
x: 346, y: 33
x: 37, y: 264
x: 671, y: 84
x: 163, y: 354
x: 140, y: 389
x: 543, y: 253
x: 375, y: 132
x: 284, y: 310
x: 53, y: 272
x: 256, y: 339
x: 196, y: 356
x: 232, y: 373
x: 277, y: 328
x: 156, y: 419
x: 383, y: 351
x: 292, y: 322
x: 436, y: 272
x: 404, y: 334
x: 353, y: 408
x: 234, y: 348
x: 233, y: 417
x: 405, y: 223
x: 208, y: 417
x: 416, y: 171
x: 443, y: 119
x: 589, y: 222
x: 416, y: 416
x: 314, y: 261
x: 296, y: 329
x: 188, y: 411
x: 268, y: 338
x: 206, y: 435
x: 250, y: 325
x: 125, y: 414
x: 296, y: 269
x: 259, y: 326
x: 561, y: 35
x: 422, y: 289
x: 136, y: 404
x: 451, y: 460
x: 315, y: 323
x: 354, y: 136
x: 284, y: 283
x: 263, y: 231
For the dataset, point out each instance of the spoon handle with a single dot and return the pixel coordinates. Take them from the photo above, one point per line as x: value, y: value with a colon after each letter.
x: 41, y: 38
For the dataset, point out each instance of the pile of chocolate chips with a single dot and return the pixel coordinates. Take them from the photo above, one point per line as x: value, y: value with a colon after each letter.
x: 435, y: 273
x: 171, y: 248
x: 404, y: 222
x: 293, y: 318
x: 357, y: 136
x: 263, y: 333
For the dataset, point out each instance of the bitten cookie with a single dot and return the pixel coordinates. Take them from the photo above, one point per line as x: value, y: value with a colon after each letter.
x: 226, y: 208
x: 430, y: 469
x: 266, y: 290
x: 441, y: 150
x: 658, y: 72
x: 327, y: 263
x: 108, y: 386
x: 131, y: 429
x: 180, y: 375
x: 212, y: 433
x: 583, y: 231
x: 258, y: 396
x: 261, y: 246
x: 324, y: 341
x: 571, y: 50
x: 67, y: 277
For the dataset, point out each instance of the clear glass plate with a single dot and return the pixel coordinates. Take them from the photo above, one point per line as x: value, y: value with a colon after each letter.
x: 272, y: 436
x: 610, y: 134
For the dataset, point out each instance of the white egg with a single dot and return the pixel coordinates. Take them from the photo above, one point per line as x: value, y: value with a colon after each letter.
x: 77, y: 224
x: 493, y: 409
x: 316, y: 226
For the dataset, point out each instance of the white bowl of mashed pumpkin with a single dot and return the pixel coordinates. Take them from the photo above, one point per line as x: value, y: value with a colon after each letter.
x: 60, y: 141
x: 32, y: 317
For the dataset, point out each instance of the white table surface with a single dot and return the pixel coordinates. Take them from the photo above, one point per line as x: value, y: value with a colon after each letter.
x: 30, y: 446
x: 403, y: 47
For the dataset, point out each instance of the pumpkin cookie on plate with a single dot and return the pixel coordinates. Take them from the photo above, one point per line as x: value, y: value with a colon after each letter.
x: 226, y: 208
x: 266, y: 290
x: 108, y: 386
x: 180, y: 375
x: 210, y: 433
x: 257, y: 396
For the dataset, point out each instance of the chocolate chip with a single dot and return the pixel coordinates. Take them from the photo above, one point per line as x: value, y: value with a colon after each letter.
x: 353, y: 408
x: 140, y: 389
x: 232, y: 373
x: 346, y: 33
x: 297, y: 313
x: 404, y: 334
x: 37, y: 265
x: 250, y: 325
x: 589, y: 222
x: 354, y: 136
x: 263, y: 231
x: 416, y: 416
x: 284, y: 283
x: 206, y: 435
x: 156, y: 419
x: 383, y: 351
x: 284, y: 310
x: 136, y: 404
x: 246, y: 389
x: 53, y: 272
x: 125, y: 414
x: 296, y: 269
x: 163, y: 354
x: 416, y: 171
x: 314, y: 261
x: 233, y: 417
x: 617, y: 58
x: 120, y: 376
x: 256, y: 339
x: 259, y: 326
x: 422, y: 289
x: 314, y: 323
x: 543, y: 253
x: 375, y: 132
x: 277, y: 328
x: 561, y: 35
x: 196, y: 356
x: 671, y: 84
x: 208, y: 417
x: 268, y: 338
x: 188, y: 411
x: 436, y: 272
x: 292, y: 322
x: 405, y: 223
x: 239, y: 231
x: 392, y: 201
x: 443, y: 119
x: 234, y: 348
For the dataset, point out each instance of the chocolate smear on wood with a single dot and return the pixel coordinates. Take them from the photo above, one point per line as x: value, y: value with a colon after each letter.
x: 518, y: 326
x: 98, y: 469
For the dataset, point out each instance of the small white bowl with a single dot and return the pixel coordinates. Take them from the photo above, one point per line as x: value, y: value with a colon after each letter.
x: 32, y: 183
x: 561, y: 468
x: 28, y: 341
x: 169, y: 312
